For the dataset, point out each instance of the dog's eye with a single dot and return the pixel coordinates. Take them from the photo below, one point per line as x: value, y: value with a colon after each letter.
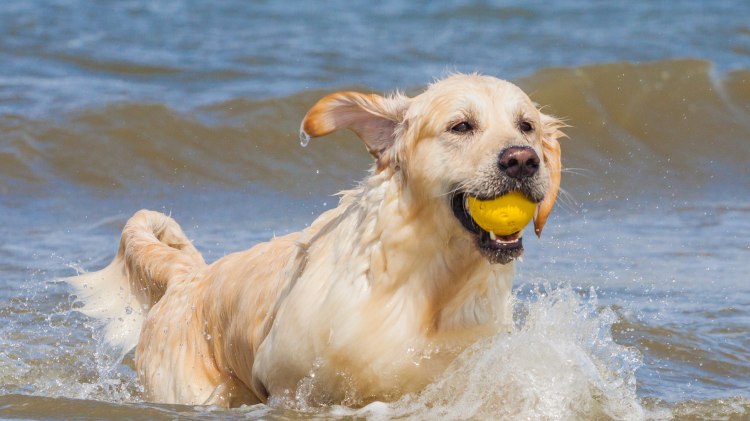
x: 525, y: 126
x: 462, y: 127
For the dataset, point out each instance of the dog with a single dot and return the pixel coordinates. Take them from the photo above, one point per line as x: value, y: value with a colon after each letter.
x: 378, y: 295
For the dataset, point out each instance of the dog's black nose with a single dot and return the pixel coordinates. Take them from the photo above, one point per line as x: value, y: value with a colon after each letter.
x: 518, y: 162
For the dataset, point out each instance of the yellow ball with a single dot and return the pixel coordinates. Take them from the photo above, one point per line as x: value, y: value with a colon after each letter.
x: 504, y: 215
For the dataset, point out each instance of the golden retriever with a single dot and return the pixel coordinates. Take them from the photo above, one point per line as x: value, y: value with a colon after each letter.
x: 377, y: 296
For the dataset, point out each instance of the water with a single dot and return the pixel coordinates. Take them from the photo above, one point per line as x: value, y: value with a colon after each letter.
x: 633, y: 305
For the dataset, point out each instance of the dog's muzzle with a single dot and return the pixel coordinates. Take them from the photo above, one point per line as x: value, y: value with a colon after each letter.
x: 517, y: 169
x: 497, y: 249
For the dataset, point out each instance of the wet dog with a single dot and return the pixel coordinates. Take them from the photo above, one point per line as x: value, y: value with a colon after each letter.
x: 377, y: 296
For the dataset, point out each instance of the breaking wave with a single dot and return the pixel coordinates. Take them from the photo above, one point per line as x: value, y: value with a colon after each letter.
x: 671, y: 125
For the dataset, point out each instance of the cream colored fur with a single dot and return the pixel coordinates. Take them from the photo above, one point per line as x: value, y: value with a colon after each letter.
x: 372, y: 301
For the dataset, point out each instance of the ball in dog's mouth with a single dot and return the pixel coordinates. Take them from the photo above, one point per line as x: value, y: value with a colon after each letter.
x: 496, y: 248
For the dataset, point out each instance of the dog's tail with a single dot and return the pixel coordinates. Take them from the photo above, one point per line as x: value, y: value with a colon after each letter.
x: 153, y: 253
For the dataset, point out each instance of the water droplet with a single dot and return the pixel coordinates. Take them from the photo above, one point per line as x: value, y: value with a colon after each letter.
x: 304, y: 138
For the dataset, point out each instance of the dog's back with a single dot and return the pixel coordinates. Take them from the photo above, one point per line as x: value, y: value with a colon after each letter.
x: 196, y: 326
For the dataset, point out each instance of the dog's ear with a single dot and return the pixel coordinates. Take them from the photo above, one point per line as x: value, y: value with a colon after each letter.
x: 551, y: 152
x: 372, y: 117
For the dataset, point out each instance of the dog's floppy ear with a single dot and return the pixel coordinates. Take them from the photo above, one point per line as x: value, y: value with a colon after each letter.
x: 372, y: 117
x: 551, y: 152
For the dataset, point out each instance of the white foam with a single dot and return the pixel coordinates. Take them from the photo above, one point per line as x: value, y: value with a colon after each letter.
x: 561, y: 363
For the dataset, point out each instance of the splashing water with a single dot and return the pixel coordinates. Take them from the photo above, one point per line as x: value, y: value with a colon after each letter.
x: 59, y: 352
x: 304, y: 138
x: 561, y: 363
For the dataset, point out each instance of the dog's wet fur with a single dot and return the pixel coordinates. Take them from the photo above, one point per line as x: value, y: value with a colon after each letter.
x: 376, y: 297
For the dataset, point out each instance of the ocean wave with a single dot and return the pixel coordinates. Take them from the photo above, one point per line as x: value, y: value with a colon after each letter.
x: 662, y: 126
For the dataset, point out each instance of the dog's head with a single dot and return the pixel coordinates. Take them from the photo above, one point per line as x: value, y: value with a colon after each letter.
x: 467, y: 135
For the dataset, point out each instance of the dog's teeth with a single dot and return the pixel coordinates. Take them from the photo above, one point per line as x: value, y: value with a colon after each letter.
x: 493, y: 237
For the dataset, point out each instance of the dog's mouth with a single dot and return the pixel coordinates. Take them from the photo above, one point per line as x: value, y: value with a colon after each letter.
x: 496, y: 248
